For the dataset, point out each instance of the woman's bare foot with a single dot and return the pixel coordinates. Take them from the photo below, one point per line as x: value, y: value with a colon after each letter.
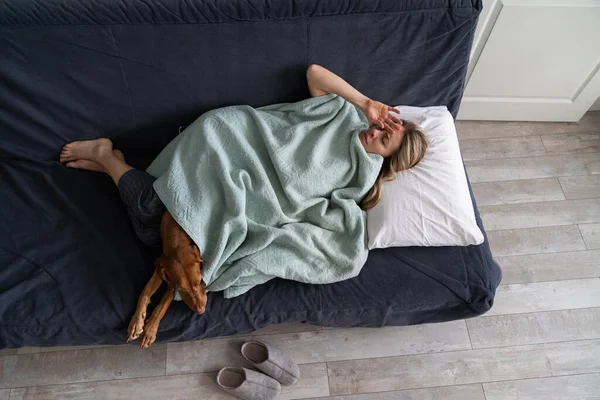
x: 90, y: 165
x: 93, y: 150
x: 99, y: 151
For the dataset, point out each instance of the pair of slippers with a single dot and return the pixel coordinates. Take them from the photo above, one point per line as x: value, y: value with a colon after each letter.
x: 278, y: 368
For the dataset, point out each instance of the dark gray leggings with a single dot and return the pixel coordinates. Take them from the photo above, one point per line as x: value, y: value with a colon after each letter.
x: 143, y: 205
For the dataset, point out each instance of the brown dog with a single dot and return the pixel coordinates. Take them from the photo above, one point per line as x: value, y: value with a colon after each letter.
x: 179, y: 267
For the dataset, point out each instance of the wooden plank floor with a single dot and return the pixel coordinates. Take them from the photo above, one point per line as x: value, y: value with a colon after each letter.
x: 538, y: 188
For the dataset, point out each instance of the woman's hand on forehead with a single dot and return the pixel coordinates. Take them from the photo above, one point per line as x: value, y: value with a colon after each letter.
x: 379, y: 114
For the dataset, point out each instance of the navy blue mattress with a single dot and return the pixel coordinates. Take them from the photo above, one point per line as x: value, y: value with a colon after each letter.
x: 71, y: 267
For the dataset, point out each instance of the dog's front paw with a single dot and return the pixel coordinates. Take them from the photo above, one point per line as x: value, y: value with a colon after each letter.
x: 136, y: 327
x: 148, y: 337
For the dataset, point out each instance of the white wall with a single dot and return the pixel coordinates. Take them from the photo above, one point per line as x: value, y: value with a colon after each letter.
x: 596, y: 105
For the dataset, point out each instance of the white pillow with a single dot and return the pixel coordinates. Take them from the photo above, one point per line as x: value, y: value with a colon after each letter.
x: 429, y: 204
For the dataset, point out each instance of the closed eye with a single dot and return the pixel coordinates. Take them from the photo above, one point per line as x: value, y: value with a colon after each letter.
x: 385, y: 140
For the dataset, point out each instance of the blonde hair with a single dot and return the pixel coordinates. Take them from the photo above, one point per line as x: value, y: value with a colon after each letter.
x: 411, y: 151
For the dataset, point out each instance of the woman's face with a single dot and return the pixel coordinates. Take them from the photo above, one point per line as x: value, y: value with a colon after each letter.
x: 381, y: 142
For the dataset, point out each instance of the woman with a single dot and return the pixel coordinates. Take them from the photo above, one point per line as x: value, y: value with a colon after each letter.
x: 401, y: 143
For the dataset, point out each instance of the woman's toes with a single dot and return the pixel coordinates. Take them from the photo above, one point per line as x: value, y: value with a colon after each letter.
x: 86, y: 165
x: 67, y: 157
x: 74, y: 164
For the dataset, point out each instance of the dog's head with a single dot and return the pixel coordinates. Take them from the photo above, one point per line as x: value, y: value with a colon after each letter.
x: 181, y: 268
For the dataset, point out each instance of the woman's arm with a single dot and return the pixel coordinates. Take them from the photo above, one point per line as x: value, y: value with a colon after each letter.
x: 321, y: 81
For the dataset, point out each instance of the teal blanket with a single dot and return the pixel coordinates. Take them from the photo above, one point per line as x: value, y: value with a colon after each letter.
x: 271, y: 192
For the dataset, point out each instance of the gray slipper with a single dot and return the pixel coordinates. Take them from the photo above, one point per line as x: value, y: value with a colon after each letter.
x: 247, y: 384
x: 271, y: 361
